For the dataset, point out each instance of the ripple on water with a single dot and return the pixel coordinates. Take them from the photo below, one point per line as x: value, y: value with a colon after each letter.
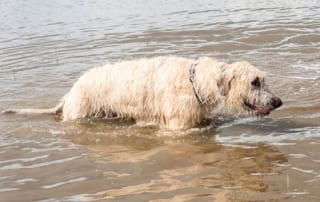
x: 64, y: 183
x: 276, y: 138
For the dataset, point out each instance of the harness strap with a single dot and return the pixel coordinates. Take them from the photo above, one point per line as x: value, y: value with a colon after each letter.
x: 192, y: 79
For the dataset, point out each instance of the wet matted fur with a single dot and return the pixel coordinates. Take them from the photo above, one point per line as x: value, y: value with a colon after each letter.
x: 171, y: 92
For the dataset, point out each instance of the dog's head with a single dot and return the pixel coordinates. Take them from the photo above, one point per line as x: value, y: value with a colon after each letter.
x: 244, y: 89
x: 260, y: 99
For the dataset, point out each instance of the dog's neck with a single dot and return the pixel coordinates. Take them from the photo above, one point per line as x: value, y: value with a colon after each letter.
x: 192, y: 78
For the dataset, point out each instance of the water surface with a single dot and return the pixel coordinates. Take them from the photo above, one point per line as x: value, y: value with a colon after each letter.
x: 45, y: 46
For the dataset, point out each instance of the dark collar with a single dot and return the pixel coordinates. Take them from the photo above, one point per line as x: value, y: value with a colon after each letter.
x: 192, y: 79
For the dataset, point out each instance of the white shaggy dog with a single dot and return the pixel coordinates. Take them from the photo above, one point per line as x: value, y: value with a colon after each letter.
x: 171, y: 92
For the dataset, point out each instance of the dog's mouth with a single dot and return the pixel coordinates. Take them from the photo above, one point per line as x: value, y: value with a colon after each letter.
x: 259, y: 111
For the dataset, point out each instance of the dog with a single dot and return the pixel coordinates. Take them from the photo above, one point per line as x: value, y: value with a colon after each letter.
x: 171, y: 92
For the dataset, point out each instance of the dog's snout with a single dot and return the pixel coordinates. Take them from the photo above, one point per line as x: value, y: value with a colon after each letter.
x: 276, y: 102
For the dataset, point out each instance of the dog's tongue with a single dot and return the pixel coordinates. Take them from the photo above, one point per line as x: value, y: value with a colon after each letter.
x: 263, y: 111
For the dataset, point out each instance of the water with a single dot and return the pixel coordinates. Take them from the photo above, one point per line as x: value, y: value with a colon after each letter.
x: 45, y: 46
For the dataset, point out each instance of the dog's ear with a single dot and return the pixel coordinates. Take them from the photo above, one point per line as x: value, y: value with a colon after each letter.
x: 224, y: 85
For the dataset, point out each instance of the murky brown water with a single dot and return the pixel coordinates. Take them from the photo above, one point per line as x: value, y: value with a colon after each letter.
x: 46, y: 45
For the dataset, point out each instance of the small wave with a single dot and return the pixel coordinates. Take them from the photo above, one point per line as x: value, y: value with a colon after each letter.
x: 63, y: 183
x: 304, y: 170
x: 26, y: 180
x: 273, y: 138
x: 264, y: 174
x: 297, y: 193
x: 16, y: 166
x: 25, y: 159
x: 298, y: 156
x: 8, y: 189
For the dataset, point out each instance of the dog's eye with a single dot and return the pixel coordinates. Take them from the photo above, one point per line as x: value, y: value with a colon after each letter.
x: 256, y: 83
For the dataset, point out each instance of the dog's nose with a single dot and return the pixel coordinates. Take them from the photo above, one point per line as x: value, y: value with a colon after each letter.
x: 276, y: 102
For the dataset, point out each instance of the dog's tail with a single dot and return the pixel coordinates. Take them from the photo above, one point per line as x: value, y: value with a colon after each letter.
x: 54, y: 110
